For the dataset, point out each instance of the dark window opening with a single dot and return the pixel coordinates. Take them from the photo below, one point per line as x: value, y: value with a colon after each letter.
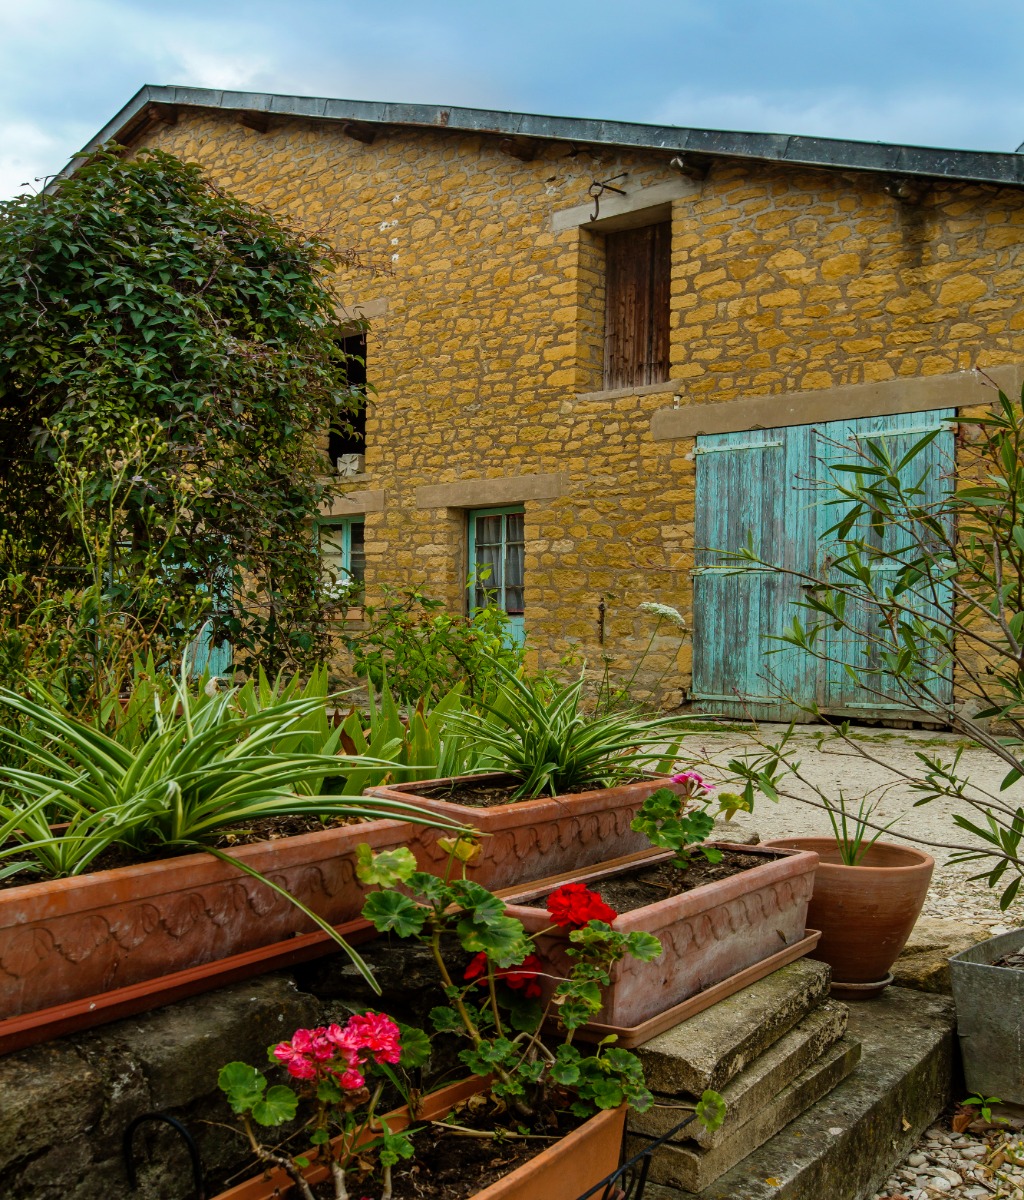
x: 638, y: 269
x: 348, y: 437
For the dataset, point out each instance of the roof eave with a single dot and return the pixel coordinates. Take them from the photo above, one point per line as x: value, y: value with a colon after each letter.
x: 968, y: 166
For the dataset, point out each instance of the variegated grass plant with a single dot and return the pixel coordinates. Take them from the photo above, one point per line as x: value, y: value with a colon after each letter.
x: 206, y: 764
x: 539, y: 732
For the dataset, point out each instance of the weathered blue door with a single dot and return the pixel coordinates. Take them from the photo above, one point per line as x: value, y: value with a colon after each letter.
x: 773, y: 488
x: 931, y: 471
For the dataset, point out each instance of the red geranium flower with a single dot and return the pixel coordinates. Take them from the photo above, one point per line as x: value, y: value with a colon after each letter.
x: 522, y: 977
x: 573, y: 905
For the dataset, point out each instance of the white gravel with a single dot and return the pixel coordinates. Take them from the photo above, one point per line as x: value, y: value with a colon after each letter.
x: 960, y: 1165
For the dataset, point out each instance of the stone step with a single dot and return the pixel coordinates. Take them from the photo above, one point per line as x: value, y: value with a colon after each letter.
x: 692, y: 1168
x: 846, y: 1146
x: 756, y: 1086
x: 709, y: 1049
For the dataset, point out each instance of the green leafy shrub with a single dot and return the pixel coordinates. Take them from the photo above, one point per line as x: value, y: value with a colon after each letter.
x: 138, y: 295
x: 420, y: 649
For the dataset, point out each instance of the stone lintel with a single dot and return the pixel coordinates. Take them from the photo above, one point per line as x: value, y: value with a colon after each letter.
x: 362, y: 310
x: 962, y: 389
x: 641, y: 206
x: 490, y: 493
x: 354, y: 503
x: 712, y: 1047
x: 757, y: 1085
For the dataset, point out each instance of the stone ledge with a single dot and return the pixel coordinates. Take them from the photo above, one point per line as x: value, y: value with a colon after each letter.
x: 846, y: 1145
x: 712, y: 1047
x: 924, y: 961
x: 755, y: 1087
x: 692, y: 1168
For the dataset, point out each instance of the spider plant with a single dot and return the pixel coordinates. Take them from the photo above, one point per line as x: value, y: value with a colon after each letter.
x: 205, y: 765
x: 538, y: 732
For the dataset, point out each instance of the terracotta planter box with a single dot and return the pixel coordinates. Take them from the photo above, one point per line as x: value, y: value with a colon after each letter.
x: 68, y: 939
x: 563, y: 1171
x: 865, y: 913
x: 531, y: 839
x: 708, y: 934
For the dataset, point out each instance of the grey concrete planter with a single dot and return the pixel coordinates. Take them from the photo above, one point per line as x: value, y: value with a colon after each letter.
x: 990, y: 1017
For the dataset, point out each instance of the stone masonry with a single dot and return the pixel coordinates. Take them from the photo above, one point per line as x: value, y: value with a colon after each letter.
x: 486, y: 350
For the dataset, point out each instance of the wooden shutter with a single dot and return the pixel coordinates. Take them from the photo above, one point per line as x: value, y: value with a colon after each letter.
x: 638, y: 266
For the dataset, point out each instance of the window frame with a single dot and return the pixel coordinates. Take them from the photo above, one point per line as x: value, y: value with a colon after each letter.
x: 344, y: 524
x: 503, y: 510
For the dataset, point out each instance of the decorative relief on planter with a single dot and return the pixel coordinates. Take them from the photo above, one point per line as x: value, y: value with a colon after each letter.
x: 531, y: 839
x: 707, y: 934
x: 72, y: 938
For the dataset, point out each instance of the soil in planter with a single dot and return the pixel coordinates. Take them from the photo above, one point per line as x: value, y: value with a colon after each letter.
x: 454, y: 1166
x: 634, y: 889
x: 1014, y: 961
x: 490, y: 795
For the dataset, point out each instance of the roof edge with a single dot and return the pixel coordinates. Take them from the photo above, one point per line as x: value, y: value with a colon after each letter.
x: 974, y: 166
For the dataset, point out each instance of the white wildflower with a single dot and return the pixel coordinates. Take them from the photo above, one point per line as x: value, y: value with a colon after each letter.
x: 664, y: 612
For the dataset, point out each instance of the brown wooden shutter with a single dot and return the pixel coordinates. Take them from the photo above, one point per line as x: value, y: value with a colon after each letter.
x: 638, y: 264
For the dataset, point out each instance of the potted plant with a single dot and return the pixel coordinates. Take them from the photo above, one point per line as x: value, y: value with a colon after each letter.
x: 988, y: 988
x: 201, y: 805
x: 536, y: 1117
x: 724, y: 914
x: 867, y: 897
x: 563, y: 786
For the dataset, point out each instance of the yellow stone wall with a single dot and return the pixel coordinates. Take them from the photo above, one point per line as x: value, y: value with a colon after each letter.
x: 784, y: 280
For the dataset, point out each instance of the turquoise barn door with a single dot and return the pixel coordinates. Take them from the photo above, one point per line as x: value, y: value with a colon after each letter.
x: 497, y: 564
x: 744, y: 486
x: 777, y: 488
x: 931, y: 471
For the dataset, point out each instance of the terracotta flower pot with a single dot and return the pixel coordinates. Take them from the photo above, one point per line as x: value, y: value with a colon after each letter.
x: 66, y: 939
x: 708, y: 934
x: 562, y: 1171
x: 531, y: 839
x: 865, y: 913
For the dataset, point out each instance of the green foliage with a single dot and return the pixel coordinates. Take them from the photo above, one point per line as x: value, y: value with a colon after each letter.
x: 502, y: 1032
x: 418, y: 746
x: 139, y: 296
x: 414, y: 643
x: 662, y: 818
x: 247, y: 1092
x: 853, y: 833
x: 537, y: 730
x: 895, y: 554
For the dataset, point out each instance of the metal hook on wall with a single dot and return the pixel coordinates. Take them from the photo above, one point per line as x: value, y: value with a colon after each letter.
x: 600, y: 186
x: 128, y: 1149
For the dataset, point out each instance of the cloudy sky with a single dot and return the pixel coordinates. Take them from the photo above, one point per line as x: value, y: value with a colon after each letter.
x: 930, y: 72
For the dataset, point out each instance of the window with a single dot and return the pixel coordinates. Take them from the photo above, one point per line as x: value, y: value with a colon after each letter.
x: 638, y: 267
x: 496, y: 560
x: 346, y: 442
x: 342, y: 553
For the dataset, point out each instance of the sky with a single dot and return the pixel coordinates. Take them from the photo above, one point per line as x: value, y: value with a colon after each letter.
x: 924, y: 72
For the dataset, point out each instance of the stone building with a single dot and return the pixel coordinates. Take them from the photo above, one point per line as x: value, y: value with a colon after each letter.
x: 589, y: 340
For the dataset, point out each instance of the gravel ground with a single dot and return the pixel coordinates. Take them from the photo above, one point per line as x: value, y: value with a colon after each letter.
x: 836, y: 768
x: 951, y: 1164
x: 943, y: 1163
